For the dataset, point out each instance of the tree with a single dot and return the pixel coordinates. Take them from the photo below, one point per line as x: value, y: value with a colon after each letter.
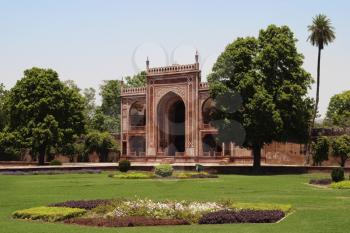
x: 45, y: 112
x: 260, y: 84
x: 90, y: 105
x: 338, y: 113
x: 321, y: 34
x: 138, y: 80
x: 3, y: 93
x: 9, y: 146
x: 321, y: 150
x: 101, y: 143
x: 341, y: 148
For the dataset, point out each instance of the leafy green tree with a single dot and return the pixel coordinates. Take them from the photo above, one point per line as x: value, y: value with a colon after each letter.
x: 103, y: 122
x: 3, y: 93
x: 45, y: 112
x: 338, y: 113
x: 101, y: 143
x: 321, y: 150
x: 110, y: 93
x: 9, y: 146
x: 264, y: 76
x: 321, y: 34
x: 341, y: 148
x: 138, y: 80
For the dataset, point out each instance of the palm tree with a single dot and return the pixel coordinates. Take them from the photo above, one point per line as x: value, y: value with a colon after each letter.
x: 321, y: 34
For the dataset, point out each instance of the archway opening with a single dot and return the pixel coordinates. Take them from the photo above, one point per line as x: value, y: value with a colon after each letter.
x: 137, y: 145
x: 137, y: 114
x: 171, y: 125
x: 210, y: 145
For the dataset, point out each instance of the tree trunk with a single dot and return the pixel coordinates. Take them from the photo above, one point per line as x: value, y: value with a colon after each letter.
x: 257, y: 157
x: 317, y: 85
x: 41, y: 158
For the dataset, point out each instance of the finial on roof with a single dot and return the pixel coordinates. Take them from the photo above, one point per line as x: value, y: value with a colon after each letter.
x: 197, y: 56
x: 147, y: 63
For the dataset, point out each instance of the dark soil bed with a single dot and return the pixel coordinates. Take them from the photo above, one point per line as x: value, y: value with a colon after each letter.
x: 320, y: 181
x: 242, y: 216
x: 125, y: 222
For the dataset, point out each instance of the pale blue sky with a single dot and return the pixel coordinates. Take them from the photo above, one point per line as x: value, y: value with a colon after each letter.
x: 91, y: 41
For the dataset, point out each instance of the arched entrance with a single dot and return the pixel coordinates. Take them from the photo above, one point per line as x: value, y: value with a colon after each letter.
x: 171, y: 125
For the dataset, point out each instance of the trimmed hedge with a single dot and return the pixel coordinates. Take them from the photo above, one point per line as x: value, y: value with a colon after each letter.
x: 50, y: 214
x: 338, y: 174
x: 242, y: 216
x: 341, y: 185
x: 135, y: 175
x: 124, y: 165
x: 191, y: 175
x: 82, y: 204
x: 163, y: 170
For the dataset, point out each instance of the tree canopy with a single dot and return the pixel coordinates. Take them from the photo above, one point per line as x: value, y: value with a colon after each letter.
x: 44, y: 111
x: 137, y: 80
x: 3, y: 93
x: 338, y: 113
x: 260, y: 90
x: 341, y: 148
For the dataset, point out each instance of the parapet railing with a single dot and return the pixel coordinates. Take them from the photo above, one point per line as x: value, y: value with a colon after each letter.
x: 133, y: 90
x: 172, y: 69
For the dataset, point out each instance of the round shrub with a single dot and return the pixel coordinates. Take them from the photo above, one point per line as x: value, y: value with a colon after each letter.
x: 55, y: 162
x: 337, y: 174
x: 163, y: 170
x: 124, y: 165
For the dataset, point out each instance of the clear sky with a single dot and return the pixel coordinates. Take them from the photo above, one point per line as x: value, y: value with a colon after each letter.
x: 90, y: 41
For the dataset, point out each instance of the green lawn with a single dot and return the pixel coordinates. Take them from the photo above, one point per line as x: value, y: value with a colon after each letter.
x: 316, y: 209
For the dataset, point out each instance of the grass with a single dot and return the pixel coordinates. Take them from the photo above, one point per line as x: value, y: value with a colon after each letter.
x: 315, y: 210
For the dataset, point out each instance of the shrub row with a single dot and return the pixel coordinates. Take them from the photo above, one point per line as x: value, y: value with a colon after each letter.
x: 135, y: 175
x: 50, y: 214
x: 125, y: 221
x: 242, y: 216
x: 82, y: 204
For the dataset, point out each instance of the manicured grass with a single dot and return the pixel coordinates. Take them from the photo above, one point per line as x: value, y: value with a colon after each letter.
x: 316, y: 210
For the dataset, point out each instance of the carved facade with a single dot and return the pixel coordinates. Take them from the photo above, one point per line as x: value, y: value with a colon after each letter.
x: 170, y: 117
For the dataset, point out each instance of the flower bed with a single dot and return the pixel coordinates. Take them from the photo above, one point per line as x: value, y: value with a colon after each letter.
x: 125, y: 221
x: 320, y: 181
x: 146, y: 212
x: 242, y: 216
x: 49, y: 214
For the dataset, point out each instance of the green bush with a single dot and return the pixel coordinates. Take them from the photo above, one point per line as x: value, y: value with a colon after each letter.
x: 337, y: 174
x: 341, y: 185
x: 55, y: 162
x: 163, y: 170
x: 135, y: 175
x: 50, y: 214
x: 199, y: 168
x: 124, y: 165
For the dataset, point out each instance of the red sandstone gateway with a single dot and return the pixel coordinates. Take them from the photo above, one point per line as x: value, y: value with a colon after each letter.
x: 169, y: 118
